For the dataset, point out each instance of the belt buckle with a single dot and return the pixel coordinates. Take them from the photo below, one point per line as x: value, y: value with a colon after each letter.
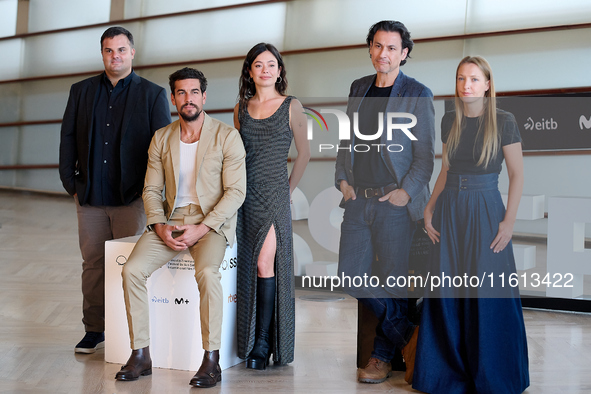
x: 365, y: 193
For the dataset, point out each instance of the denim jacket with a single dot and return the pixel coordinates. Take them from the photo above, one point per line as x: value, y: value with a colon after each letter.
x: 412, y: 167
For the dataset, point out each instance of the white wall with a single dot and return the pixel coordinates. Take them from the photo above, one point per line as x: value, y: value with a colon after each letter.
x: 520, y: 62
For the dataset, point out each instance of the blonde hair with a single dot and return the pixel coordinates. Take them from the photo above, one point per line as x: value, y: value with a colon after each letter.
x: 487, y: 123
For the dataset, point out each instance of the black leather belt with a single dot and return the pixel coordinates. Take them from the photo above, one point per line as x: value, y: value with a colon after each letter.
x: 376, y: 192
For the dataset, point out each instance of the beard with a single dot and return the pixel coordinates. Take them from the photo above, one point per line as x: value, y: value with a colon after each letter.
x: 190, y: 118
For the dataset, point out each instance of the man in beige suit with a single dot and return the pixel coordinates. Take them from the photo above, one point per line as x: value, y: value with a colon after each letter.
x: 199, y: 164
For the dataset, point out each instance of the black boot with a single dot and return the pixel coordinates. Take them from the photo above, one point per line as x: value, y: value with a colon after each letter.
x: 259, y: 356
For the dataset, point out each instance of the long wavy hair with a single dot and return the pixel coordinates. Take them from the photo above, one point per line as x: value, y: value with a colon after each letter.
x: 246, y: 86
x: 487, y: 122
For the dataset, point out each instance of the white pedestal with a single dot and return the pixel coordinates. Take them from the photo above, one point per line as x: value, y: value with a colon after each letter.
x: 299, y: 205
x: 175, y: 327
x: 302, y: 255
x: 567, y: 256
x: 525, y: 256
x: 531, y: 207
x: 322, y: 268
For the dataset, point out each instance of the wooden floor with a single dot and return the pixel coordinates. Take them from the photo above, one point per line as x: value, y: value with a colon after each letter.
x: 40, y: 314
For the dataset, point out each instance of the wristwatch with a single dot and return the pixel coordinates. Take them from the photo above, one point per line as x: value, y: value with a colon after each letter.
x: 151, y: 226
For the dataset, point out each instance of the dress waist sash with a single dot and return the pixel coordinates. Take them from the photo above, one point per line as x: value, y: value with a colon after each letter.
x: 463, y: 182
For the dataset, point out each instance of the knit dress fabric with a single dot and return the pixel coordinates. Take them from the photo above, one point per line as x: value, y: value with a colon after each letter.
x: 267, y: 142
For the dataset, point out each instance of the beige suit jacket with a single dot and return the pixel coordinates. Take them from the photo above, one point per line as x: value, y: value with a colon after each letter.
x: 221, y: 175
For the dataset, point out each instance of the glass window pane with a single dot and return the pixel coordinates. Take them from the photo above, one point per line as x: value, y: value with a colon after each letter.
x: 11, y: 49
x: 8, y: 146
x: 63, y: 53
x: 45, y: 100
x: 321, y: 23
x: 8, y: 11
x: 210, y: 35
x: 9, y: 103
x: 537, y: 61
x: 39, y: 144
x: 59, y: 14
x: 510, y: 14
x: 135, y: 8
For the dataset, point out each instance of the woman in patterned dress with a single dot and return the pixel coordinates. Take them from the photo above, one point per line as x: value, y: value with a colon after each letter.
x: 268, y: 120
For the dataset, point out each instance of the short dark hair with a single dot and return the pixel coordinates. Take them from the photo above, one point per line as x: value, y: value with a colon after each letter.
x: 116, y: 31
x: 392, y: 26
x: 187, y: 73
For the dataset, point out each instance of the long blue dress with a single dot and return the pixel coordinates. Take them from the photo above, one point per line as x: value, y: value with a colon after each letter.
x: 472, y: 339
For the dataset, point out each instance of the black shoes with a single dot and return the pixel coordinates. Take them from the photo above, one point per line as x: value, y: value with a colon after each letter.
x: 90, y: 342
x: 259, y: 355
x: 139, y: 363
x: 209, y: 372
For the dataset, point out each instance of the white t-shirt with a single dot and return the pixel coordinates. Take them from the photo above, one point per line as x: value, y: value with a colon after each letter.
x: 187, y: 193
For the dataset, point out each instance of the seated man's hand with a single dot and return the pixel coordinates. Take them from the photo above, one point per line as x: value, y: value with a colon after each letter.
x: 191, y: 233
x: 164, y: 231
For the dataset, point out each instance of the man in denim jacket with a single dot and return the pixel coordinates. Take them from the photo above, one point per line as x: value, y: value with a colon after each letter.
x: 384, y: 177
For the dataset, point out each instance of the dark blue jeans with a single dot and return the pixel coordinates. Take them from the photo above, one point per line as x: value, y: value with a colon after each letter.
x: 375, y: 242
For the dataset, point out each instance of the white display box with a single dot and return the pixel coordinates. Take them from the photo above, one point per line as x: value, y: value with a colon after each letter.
x: 175, y: 329
x: 531, y: 207
x: 567, y: 258
x: 525, y: 256
x: 322, y: 268
x: 299, y: 205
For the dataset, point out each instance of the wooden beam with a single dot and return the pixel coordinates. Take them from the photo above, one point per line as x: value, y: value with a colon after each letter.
x: 22, y: 17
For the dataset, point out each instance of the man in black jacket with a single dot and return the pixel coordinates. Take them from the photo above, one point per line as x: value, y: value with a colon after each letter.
x: 106, y: 131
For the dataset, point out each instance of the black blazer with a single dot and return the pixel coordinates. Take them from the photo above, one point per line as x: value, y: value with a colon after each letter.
x: 146, y: 110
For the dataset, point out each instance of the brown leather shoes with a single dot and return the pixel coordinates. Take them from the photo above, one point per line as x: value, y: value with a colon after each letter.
x: 376, y: 371
x: 209, y: 372
x: 409, y: 352
x: 139, y: 363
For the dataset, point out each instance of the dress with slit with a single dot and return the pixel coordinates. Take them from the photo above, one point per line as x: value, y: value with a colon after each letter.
x: 472, y: 338
x: 267, y: 142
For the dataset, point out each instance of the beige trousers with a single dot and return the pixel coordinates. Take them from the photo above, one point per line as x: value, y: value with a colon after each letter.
x: 151, y: 253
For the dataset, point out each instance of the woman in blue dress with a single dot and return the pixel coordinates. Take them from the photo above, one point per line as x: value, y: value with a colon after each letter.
x: 268, y: 121
x: 472, y: 336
